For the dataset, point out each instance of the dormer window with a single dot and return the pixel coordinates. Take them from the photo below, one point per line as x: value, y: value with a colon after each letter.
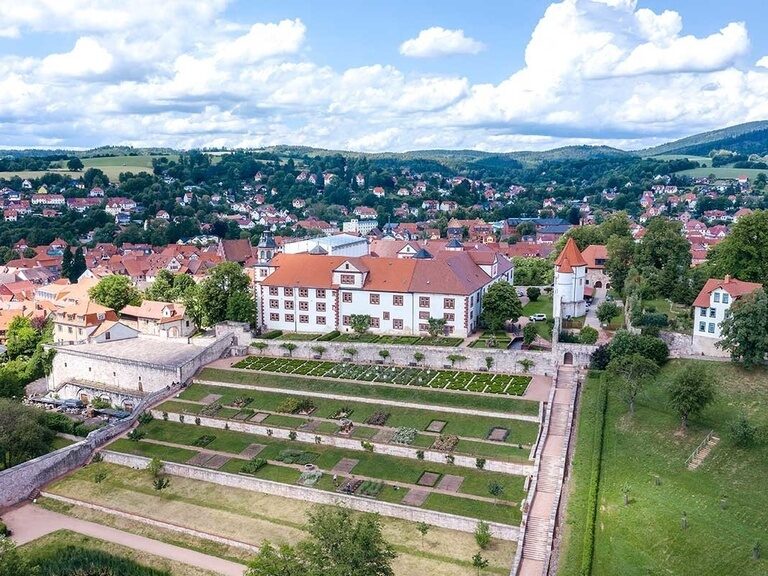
x: 100, y: 316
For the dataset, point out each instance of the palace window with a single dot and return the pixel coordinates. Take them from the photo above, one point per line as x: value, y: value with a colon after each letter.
x: 397, y: 300
x: 423, y: 301
x: 346, y: 296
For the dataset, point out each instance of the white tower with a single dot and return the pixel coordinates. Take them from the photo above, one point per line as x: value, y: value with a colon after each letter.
x: 570, y: 278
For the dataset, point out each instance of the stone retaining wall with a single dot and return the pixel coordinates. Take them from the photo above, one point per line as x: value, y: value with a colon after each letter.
x: 350, y: 443
x: 23, y: 481
x: 504, y: 361
x: 441, y: 519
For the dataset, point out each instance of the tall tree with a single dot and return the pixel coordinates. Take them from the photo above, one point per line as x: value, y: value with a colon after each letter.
x: 744, y: 332
x: 691, y: 390
x: 78, y: 265
x: 115, y: 292
x: 500, y: 304
x: 339, y: 544
x: 215, y: 291
x: 21, y: 337
x: 241, y: 308
x: 66, y: 263
x: 664, y: 258
x: 744, y: 252
x: 633, y: 372
x: 23, y: 434
x: 161, y: 288
x: 621, y: 252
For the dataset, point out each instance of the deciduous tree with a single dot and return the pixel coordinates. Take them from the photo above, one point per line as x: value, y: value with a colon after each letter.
x: 633, y: 373
x: 744, y: 332
x: 116, y: 292
x: 500, y: 304
x: 691, y: 390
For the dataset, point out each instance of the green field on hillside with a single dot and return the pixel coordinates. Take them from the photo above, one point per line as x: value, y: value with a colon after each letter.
x: 725, y: 500
x: 112, y: 166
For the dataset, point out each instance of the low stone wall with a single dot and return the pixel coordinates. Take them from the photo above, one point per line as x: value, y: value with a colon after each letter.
x: 504, y: 361
x: 441, y: 519
x: 578, y: 354
x: 350, y: 443
x: 23, y: 481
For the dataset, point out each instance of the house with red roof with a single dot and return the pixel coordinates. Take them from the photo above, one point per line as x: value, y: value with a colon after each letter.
x: 710, y: 309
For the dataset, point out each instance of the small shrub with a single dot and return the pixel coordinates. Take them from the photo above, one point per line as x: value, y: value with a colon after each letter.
x: 404, y: 435
x: 588, y: 335
x: 181, y: 418
x: 165, y: 416
x: 292, y: 435
x: 450, y: 459
x: 533, y: 293
x: 145, y: 418
x: 480, y: 463
x: 741, y: 432
x: 253, y: 465
x: 483, y: 535
x: 161, y: 483
x: 97, y: 457
x: 420, y: 454
x: 135, y: 435
x: 367, y: 446
x: 197, y: 420
x: 100, y: 476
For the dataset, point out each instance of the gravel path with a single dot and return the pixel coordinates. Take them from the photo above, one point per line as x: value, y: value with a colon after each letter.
x: 30, y: 522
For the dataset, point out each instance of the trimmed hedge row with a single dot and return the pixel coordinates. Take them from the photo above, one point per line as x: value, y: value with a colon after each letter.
x: 329, y: 336
x: 588, y: 546
x: 272, y: 334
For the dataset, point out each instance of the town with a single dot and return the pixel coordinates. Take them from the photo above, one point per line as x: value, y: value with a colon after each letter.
x: 383, y: 290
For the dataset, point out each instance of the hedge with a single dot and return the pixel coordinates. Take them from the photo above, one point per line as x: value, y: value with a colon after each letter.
x: 588, y: 547
x: 272, y: 334
x: 329, y: 336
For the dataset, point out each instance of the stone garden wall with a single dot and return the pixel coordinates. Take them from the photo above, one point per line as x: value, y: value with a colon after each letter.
x: 504, y: 361
x: 441, y: 519
x: 26, y: 479
x: 349, y: 443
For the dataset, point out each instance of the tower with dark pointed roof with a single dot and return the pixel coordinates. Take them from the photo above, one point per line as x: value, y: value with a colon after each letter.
x: 570, y: 280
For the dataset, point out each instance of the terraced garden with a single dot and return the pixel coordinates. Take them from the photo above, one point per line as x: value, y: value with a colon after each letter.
x: 481, y: 382
x: 467, y: 493
x: 377, y: 422
x: 383, y: 392
x: 251, y: 517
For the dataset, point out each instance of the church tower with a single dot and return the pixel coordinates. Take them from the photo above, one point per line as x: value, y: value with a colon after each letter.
x: 570, y: 279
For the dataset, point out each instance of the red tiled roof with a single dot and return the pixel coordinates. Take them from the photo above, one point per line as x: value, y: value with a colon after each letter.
x: 736, y: 289
x: 595, y: 252
x: 569, y: 257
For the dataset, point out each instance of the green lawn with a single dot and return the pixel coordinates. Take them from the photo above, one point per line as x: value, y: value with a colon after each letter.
x: 459, y: 424
x: 399, y: 393
x: 722, y: 172
x: 704, y: 160
x: 646, y: 536
x: 541, y: 306
x: 388, y: 468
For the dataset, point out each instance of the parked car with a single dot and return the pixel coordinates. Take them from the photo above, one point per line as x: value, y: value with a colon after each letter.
x: 537, y: 317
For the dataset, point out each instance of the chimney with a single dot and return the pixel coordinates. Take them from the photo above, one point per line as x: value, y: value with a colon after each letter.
x: 727, y: 278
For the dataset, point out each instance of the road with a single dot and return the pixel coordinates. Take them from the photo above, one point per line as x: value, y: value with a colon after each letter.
x: 30, y: 522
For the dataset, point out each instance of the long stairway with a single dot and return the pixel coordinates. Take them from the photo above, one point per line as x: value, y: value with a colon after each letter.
x: 536, y: 546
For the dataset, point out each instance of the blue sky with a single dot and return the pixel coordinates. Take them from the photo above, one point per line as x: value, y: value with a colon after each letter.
x: 375, y: 75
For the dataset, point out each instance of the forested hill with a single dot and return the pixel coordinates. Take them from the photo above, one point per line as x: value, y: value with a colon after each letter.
x: 749, y: 138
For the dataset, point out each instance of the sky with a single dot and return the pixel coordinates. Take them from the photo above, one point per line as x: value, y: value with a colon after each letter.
x: 396, y: 75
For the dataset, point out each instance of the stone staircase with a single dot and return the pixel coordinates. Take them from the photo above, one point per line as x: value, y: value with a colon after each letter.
x: 536, y: 545
x: 702, y: 454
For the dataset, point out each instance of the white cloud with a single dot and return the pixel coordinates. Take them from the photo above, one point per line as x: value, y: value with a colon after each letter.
x: 176, y: 73
x: 437, y: 41
x: 87, y: 58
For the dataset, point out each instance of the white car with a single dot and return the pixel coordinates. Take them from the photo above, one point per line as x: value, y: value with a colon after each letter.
x: 537, y: 317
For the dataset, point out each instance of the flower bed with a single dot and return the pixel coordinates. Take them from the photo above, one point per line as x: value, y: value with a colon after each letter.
x: 378, y: 418
x: 446, y: 443
x: 204, y: 440
x: 210, y: 409
x: 404, y: 435
x: 310, y: 477
x: 370, y: 488
x: 407, y: 376
x: 296, y: 456
x: 253, y: 465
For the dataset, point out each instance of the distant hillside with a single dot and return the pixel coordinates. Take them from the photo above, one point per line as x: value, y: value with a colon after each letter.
x: 749, y: 138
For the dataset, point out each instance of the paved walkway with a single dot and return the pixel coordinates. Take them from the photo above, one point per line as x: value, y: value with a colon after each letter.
x: 30, y: 522
x: 537, y: 542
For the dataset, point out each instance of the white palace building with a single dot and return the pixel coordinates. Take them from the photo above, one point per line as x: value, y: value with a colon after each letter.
x: 315, y: 293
